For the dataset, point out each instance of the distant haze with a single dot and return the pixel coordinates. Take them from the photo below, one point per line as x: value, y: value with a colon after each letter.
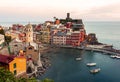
x: 41, y: 10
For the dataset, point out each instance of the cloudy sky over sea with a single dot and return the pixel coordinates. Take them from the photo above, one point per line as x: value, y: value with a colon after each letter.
x: 40, y: 10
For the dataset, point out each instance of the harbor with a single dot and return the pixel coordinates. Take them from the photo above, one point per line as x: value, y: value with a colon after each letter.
x: 64, y: 66
x: 101, y: 50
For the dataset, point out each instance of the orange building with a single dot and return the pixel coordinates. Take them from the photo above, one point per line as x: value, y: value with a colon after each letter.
x: 16, y: 65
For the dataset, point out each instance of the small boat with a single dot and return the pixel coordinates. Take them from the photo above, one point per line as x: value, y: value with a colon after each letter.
x: 78, y: 58
x: 95, y: 70
x: 113, y: 56
x: 118, y: 56
x: 91, y: 64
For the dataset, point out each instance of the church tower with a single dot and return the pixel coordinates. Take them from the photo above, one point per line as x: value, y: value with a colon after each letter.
x: 29, y: 33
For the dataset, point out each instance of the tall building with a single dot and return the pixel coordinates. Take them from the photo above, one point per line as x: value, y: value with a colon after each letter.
x: 68, y: 19
x: 29, y: 33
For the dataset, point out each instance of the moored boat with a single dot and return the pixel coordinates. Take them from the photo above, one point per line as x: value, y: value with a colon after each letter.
x: 118, y: 56
x: 95, y: 70
x: 91, y: 64
x: 78, y: 58
x: 113, y: 56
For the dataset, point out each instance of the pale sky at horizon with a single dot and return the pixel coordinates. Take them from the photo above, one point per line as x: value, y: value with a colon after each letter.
x: 41, y: 10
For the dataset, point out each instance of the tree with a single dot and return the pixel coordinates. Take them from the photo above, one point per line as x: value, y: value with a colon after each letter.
x: 2, y: 31
x: 26, y: 80
x: 8, y: 39
x: 6, y: 76
x: 47, y: 80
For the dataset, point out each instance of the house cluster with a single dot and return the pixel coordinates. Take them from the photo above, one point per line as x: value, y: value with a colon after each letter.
x: 23, y: 52
x: 24, y: 48
x: 61, y: 32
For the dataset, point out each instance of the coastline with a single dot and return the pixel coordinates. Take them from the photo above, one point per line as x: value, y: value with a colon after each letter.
x: 46, y: 59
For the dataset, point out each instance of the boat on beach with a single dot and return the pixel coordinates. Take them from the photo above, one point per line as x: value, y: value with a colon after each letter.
x: 95, y: 70
x: 91, y: 64
x: 78, y: 58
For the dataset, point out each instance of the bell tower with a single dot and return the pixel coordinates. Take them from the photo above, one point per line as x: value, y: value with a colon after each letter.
x: 29, y: 33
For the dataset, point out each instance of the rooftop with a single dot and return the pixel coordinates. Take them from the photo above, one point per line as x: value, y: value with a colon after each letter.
x: 6, y: 59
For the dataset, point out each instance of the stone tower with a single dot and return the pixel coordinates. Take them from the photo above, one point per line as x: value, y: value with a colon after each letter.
x: 29, y: 33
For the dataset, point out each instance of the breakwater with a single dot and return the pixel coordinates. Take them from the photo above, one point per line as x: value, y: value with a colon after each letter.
x: 111, y: 51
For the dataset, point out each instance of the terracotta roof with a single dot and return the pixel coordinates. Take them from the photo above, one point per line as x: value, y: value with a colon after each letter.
x: 6, y: 59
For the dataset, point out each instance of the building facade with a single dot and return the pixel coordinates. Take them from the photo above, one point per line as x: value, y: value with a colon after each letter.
x: 28, y: 30
x: 2, y: 40
x: 32, y: 53
x: 16, y: 65
x: 59, y: 38
x: 16, y: 45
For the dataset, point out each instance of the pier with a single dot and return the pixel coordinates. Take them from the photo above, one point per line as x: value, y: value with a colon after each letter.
x: 102, y: 50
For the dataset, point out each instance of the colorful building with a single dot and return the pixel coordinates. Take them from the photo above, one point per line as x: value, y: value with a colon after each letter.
x: 59, y: 38
x: 75, y: 38
x: 16, y: 45
x: 16, y: 65
x: 17, y: 27
x: 37, y: 37
x: 68, y: 38
x: 2, y: 40
x: 44, y: 35
x: 22, y: 37
x: 27, y: 34
x: 31, y: 52
x: 14, y: 34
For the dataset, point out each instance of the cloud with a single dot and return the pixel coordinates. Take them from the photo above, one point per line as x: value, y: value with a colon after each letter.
x: 109, y: 12
x: 39, y: 10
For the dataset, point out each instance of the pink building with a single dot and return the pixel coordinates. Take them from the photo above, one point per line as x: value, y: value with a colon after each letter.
x: 68, y: 38
x: 75, y: 38
x: 59, y: 38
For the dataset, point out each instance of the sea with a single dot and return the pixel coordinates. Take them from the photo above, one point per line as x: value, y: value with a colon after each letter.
x: 65, y: 68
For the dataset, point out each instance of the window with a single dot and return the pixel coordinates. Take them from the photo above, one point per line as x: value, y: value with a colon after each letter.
x: 15, y: 72
x: 30, y: 48
x: 14, y: 65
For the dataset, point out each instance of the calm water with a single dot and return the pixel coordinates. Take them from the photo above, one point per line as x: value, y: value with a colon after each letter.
x: 65, y: 68
x: 107, y: 32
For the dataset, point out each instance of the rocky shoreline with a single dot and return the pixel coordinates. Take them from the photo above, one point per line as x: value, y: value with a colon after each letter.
x: 45, y: 60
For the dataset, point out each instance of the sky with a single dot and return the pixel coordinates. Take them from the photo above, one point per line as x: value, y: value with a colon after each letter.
x: 42, y: 10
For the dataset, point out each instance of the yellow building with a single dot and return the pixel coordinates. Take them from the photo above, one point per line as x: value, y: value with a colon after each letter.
x: 16, y: 65
x: 45, y: 35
